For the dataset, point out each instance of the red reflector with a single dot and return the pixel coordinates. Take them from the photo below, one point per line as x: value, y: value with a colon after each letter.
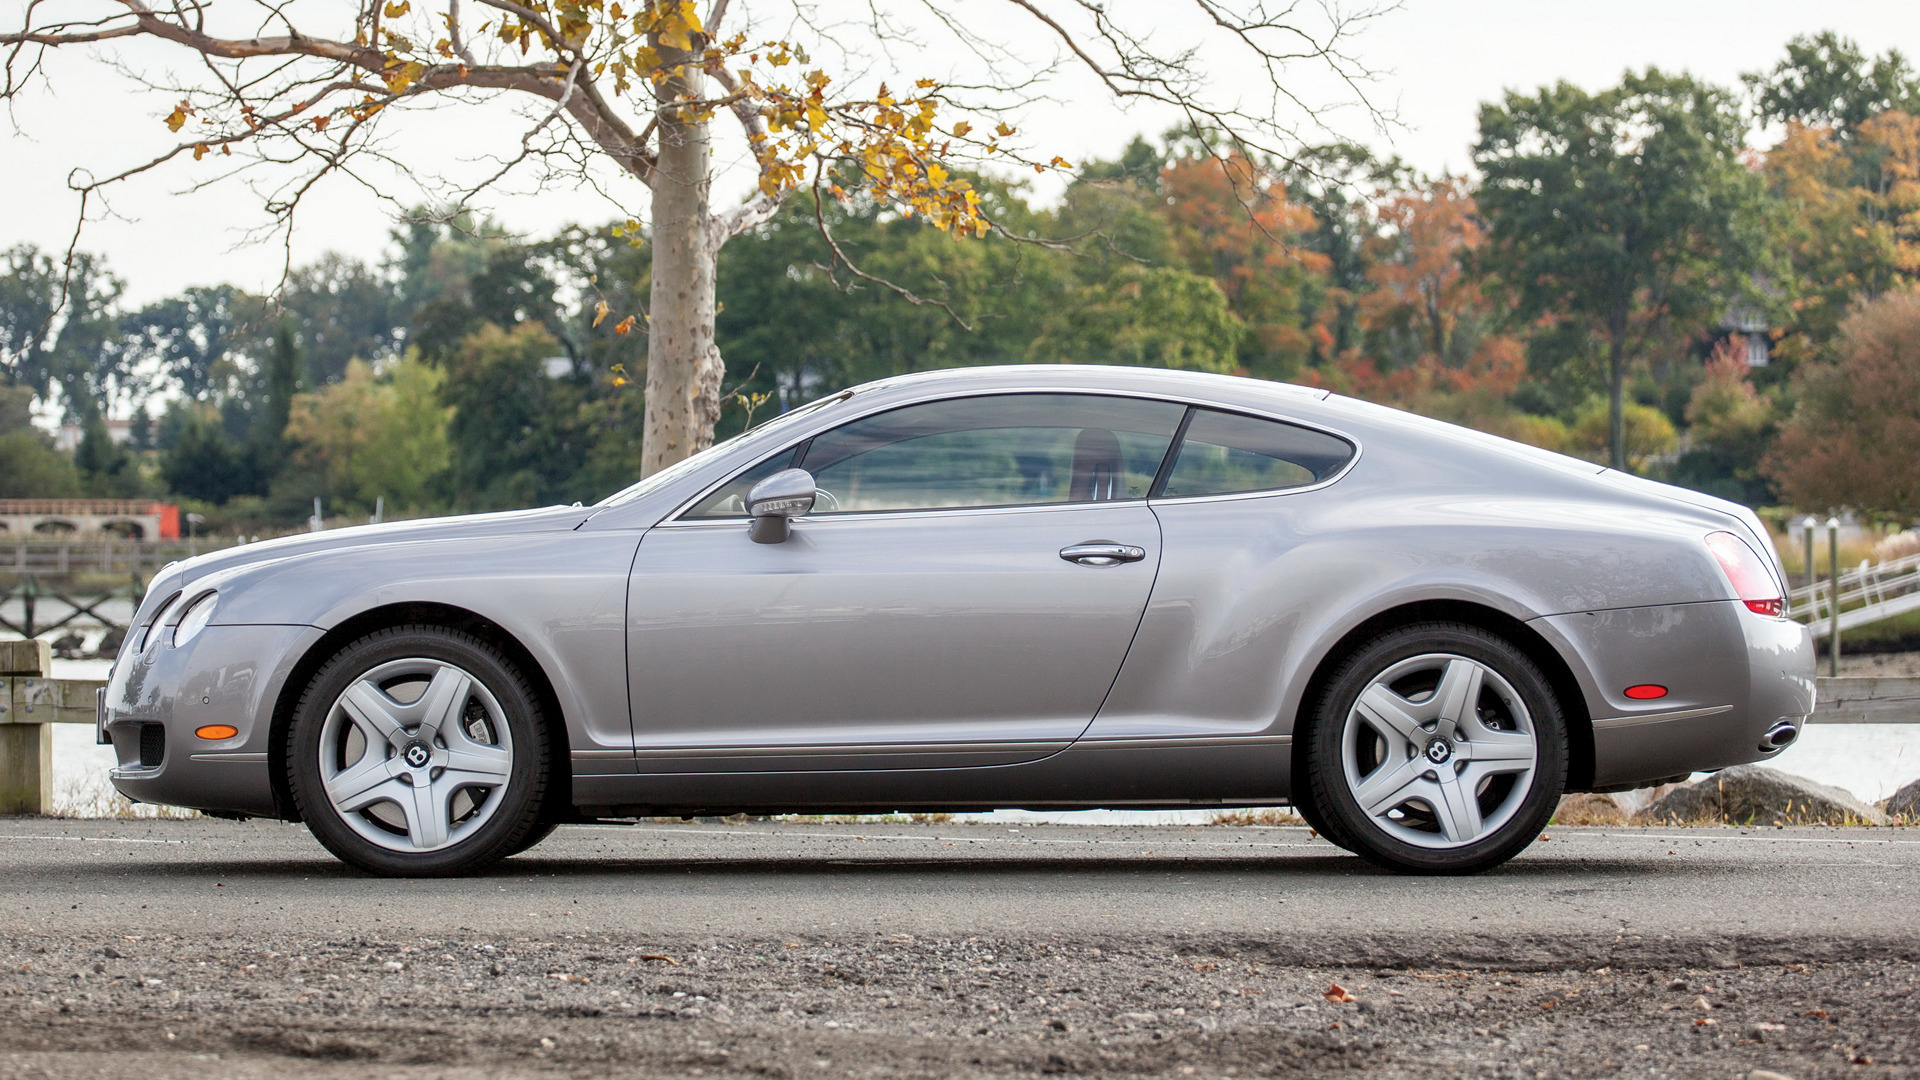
x: 1646, y: 692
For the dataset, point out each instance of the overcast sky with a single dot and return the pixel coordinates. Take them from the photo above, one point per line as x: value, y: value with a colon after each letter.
x: 1437, y: 59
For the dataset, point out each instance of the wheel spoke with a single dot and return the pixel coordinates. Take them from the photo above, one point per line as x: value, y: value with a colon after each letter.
x: 358, y: 785
x: 476, y: 763
x: 1458, y: 810
x: 1391, y: 711
x: 1459, y: 692
x: 444, y: 702
x: 374, y: 711
x: 1389, y: 786
x: 1511, y: 747
x: 427, y: 814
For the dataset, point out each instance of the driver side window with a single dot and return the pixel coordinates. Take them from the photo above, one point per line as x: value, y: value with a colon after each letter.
x: 993, y: 450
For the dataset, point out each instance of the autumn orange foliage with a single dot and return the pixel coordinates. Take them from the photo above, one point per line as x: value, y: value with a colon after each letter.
x: 1234, y: 223
x: 1426, y: 320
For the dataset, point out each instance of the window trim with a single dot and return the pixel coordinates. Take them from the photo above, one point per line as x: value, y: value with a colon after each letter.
x: 677, y: 517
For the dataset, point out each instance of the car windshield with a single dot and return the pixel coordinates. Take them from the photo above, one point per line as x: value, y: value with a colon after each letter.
x: 767, y: 432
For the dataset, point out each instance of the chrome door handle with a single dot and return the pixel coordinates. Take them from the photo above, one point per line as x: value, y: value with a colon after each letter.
x: 1102, y: 553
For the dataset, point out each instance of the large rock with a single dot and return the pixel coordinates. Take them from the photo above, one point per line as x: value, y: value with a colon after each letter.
x: 1905, y: 803
x: 1756, y: 795
x: 1588, y: 808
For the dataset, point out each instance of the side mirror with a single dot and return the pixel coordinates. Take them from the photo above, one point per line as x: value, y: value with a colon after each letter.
x: 772, y: 502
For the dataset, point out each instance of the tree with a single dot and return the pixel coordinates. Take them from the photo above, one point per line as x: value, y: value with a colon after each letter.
x: 30, y: 468
x: 1234, y: 222
x: 187, y: 336
x: 1161, y: 316
x: 1826, y: 81
x: 58, y: 330
x: 1729, y: 427
x: 368, y: 437
x: 632, y: 88
x: 1854, y: 437
x: 1626, y: 216
x: 1850, y: 221
x: 515, y: 433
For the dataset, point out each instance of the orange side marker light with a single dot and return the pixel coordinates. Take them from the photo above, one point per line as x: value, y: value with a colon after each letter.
x: 217, y: 731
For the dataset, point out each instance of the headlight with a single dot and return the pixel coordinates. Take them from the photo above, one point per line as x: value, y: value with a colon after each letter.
x: 145, y: 635
x: 194, y: 619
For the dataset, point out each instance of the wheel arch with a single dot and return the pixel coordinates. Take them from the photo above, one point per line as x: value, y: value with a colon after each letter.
x: 1559, y: 673
x: 560, y: 772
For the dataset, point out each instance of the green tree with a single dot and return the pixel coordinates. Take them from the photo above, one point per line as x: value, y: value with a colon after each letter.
x: 1161, y: 316
x: 368, y: 437
x: 1626, y: 216
x: 200, y: 460
x: 517, y: 436
x: 1826, y: 81
x: 30, y: 468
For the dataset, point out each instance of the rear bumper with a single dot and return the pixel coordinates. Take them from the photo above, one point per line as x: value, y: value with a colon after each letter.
x: 1732, y: 677
x: 153, y: 704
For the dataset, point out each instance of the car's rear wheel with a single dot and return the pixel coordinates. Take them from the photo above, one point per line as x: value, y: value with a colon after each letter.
x: 1437, y: 748
x: 419, y: 750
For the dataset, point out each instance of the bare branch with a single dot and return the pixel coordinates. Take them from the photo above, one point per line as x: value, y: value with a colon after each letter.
x: 841, y: 258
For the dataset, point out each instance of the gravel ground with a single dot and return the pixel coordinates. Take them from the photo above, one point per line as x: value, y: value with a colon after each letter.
x: 200, y: 949
x: 906, y: 1007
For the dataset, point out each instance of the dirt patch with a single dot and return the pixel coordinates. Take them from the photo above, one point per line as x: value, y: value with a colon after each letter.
x: 975, y: 1007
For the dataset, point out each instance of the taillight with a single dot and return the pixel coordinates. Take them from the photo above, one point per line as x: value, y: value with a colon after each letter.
x: 1747, y: 574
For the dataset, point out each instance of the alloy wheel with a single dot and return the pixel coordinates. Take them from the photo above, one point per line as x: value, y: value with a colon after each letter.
x: 415, y: 755
x: 1439, y: 751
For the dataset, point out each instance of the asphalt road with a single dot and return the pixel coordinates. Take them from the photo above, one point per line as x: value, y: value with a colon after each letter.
x: 805, y: 949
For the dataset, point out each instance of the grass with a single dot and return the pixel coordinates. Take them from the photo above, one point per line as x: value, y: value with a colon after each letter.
x: 85, y: 797
x: 1262, y: 816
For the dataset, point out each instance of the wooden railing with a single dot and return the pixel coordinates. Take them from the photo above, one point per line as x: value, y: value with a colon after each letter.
x: 99, y: 556
x: 30, y: 704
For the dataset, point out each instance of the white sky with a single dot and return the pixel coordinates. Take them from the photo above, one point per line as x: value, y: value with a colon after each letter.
x: 1438, y: 61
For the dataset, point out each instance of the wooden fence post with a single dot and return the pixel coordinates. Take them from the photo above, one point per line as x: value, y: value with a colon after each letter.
x: 26, y: 744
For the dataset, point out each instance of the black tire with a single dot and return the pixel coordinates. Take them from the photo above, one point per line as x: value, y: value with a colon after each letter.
x: 1521, y: 803
x: 540, y: 832
x: 1309, y: 811
x: 512, y: 818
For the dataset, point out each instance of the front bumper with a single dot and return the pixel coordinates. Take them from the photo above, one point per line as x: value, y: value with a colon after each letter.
x: 154, y: 702
x: 1732, y: 677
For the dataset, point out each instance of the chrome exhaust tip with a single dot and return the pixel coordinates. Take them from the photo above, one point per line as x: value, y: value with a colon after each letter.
x: 1779, y: 737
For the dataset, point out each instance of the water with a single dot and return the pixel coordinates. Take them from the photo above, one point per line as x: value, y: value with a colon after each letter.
x: 1870, y: 760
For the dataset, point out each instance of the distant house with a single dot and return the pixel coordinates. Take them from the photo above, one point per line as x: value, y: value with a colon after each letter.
x: 126, y: 519
x: 120, y: 431
x: 1748, y: 326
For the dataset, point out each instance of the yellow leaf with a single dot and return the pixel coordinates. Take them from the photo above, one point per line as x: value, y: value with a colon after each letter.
x: 960, y: 129
x: 1002, y: 130
x: 178, y: 117
x: 394, y: 11
x: 199, y: 151
x: 600, y: 310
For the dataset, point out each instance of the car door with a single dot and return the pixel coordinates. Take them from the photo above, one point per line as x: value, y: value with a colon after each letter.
x: 940, y: 606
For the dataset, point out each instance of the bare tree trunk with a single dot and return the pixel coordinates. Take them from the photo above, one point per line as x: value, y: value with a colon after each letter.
x: 683, y: 364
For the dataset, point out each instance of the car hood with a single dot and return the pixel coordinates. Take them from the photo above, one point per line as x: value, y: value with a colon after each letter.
x: 465, y: 527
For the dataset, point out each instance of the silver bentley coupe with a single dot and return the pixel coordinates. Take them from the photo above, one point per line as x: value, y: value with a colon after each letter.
x: 1052, y: 588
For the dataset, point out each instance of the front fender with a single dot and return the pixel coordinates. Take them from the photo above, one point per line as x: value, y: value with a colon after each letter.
x: 561, y: 596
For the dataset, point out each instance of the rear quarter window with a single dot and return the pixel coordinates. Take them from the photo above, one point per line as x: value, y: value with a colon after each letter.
x: 1225, y: 453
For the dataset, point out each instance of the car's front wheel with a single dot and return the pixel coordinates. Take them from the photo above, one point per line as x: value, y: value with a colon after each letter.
x: 1437, y: 748
x: 419, y: 750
